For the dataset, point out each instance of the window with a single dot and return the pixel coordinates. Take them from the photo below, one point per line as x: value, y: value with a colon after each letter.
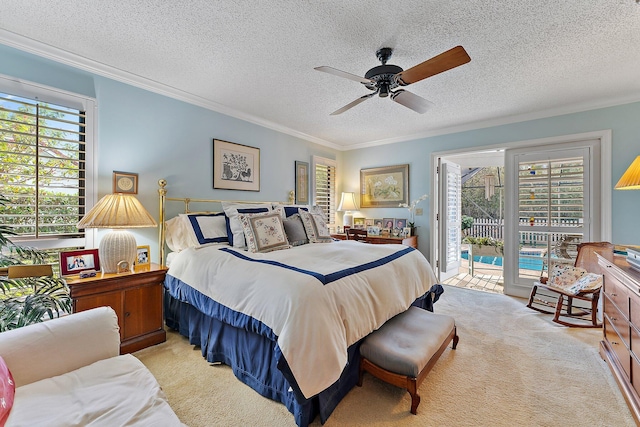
x: 324, y: 187
x: 45, y: 173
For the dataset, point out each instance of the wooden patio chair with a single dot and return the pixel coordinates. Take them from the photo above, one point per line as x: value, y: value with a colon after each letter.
x: 565, y: 313
x: 356, y: 234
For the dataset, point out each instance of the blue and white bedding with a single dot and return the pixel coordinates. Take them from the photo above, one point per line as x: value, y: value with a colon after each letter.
x: 314, y: 300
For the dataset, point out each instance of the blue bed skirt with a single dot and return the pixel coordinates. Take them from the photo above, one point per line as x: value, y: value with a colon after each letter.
x: 251, y: 350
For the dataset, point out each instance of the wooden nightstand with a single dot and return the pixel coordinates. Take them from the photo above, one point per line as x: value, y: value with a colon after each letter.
x: 136, y: 298
x: 386, y: 239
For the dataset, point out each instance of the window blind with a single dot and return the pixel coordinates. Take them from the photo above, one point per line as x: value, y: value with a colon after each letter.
x: 325, y: 188
x: 43, y: 168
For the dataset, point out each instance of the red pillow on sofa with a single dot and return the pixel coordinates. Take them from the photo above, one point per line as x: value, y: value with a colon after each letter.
x: 7, y: 392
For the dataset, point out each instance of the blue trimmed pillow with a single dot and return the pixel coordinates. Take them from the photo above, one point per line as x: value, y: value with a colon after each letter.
x: 207, y: 229
x: 232, y: 210
x: 264, y: 232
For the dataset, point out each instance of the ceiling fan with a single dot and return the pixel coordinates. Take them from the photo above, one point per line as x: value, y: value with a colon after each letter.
x: 383, y: 79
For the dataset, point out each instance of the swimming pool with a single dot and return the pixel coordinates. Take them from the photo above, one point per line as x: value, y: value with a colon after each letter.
x: 527, y: 263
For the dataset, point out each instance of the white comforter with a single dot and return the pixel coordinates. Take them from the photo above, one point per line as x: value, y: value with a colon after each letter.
x: 315, y: 317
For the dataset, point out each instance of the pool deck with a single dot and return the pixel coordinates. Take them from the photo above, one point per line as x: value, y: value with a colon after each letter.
x: 486, y: 277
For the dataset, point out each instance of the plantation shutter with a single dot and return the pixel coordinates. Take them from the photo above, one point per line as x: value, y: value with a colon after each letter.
x: 450, y: 215
x: 43, y: 170
x: 324, y: 194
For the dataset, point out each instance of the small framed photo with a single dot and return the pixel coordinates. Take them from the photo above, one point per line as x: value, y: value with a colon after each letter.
x: 406, y: 231
x: 358, y: 221
x: 378, y: 222
x: 399, y: 223
x: 143, y: 256
x: 387, y: 223
x: 125, y: 182
x: 368, y: 222
x: 73, y: 262
x: 373, y: 230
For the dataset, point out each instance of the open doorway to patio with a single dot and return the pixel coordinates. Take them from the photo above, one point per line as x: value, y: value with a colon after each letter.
x: 481, y: 204
x: 553, y: 193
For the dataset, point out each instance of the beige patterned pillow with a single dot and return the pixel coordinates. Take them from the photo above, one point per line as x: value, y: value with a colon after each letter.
x: 316, y: 227
x: 264, y: 232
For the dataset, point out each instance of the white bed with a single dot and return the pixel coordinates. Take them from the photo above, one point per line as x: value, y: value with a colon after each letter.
x: 303, y: 309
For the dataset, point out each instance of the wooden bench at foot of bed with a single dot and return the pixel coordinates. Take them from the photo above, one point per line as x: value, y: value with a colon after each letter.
x: 405, y: 348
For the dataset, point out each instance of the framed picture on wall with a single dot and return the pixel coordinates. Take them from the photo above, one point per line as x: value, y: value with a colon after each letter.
x: 235, y: 166
x: 302, y: 183
x: 384, y: 187
x: 125, y: 182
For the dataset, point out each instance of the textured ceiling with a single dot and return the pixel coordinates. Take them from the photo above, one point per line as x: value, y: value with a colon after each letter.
x: 255, y: 60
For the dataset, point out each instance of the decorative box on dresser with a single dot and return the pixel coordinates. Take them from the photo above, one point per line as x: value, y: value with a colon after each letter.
x: 620, y: 347
x: 136, y: 298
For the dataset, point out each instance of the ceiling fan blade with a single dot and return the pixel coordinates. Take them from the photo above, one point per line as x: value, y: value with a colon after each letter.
x: 352, y: 104
x: 411, y: 100
x: 344, y: 74
x: 436, y: 65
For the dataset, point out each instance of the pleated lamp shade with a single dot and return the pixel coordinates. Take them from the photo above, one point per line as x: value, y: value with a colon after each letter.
x: 118, y: 212
x: 630, y: 180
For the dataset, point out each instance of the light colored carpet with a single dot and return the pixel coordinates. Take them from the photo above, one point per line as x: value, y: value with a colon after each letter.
x: 512, y: 367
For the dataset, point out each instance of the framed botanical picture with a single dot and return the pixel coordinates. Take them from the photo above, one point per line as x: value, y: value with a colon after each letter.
x: 235, y: 166
x: 302, y: 183
x: 73, y: 262
x: 125, y: 182
x: 384, y: 187
x: 143, y: 256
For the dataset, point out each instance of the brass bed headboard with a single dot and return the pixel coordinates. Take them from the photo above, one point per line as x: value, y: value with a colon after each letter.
x: 163, y: 199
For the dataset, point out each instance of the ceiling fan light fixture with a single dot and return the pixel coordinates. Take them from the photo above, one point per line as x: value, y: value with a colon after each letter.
x: 383, y: 92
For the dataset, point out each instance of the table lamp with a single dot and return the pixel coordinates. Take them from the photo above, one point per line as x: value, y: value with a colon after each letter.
x: 630, y: 180
x: 347, y: 204
x: 117, y: 249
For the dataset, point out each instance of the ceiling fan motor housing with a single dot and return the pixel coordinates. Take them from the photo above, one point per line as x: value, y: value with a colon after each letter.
x: 382, y: 77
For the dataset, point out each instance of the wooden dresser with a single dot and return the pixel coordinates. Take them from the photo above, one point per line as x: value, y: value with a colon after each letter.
x: 381, y: 240
x: 620, y: 347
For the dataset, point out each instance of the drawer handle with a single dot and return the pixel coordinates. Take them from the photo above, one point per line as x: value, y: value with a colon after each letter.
x: 127, y: 314
x: 614, y: 319
x: 615, y: 342
x: 614, y: 294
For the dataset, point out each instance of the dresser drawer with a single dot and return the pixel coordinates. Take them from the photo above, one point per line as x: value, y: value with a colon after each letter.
x: 617, y: 293
x: 619, y: 348
x: 634, y: 314
x: 635, y: 374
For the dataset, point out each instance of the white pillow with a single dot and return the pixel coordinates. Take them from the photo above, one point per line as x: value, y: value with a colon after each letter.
x: 176, y: 235
x: 264, y: 232
x: 316, y: 227
x: 206, y: 229
x: 289, y: 210
x: 233, y: 210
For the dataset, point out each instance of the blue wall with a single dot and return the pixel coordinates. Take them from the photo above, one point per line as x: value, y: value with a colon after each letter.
x: 622, y: 120
x: 160, y: 137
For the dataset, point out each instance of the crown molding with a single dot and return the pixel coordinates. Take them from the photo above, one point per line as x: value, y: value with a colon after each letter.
x: 73, y: 60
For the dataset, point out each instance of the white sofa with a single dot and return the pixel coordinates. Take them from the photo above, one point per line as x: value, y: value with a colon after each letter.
x: 68, y: 372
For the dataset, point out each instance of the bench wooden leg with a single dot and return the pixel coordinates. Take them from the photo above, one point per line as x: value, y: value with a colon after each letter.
x: 412, y: 388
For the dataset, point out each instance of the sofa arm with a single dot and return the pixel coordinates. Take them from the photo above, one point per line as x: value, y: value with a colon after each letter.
x: 60, y: 345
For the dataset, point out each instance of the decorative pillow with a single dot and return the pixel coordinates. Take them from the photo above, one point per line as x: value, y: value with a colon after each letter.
x: 573, y: 280
x: 264, y: 232
x: 294, y: 228
x: 234, y: 228
x: 207, y: 229
x: 316, y: 227
x: 7, y: 391
x: 563, y: 276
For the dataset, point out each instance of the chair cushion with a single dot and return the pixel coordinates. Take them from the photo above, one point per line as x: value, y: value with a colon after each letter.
x: 405, y: 343
x: 112, y: 392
